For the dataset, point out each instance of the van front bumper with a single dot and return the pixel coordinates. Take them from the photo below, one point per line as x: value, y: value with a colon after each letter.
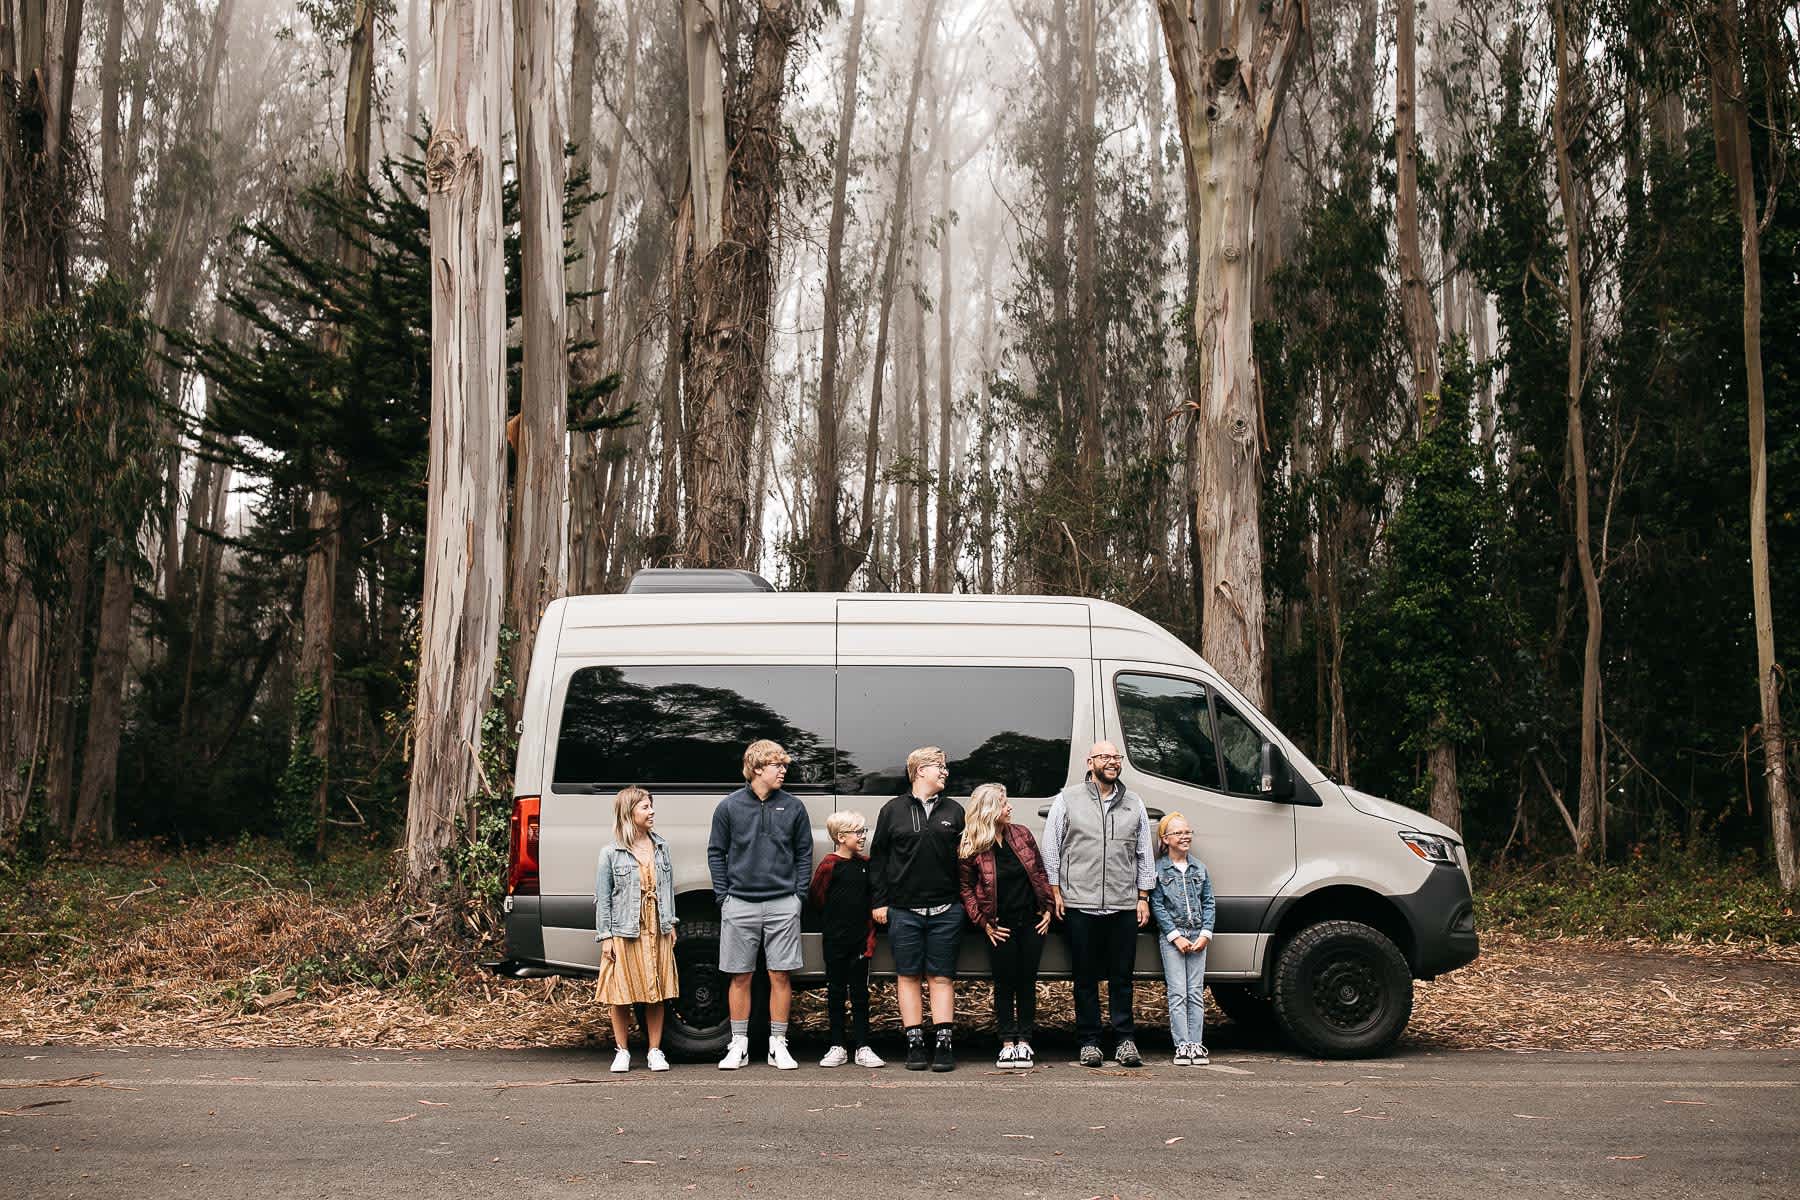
x: 1442, y: 917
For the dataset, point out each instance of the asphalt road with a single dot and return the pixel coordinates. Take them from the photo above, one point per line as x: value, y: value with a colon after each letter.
x: 212, y: 1123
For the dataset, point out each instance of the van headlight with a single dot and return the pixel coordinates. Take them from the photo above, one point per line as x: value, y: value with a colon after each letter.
x: 1430, y: 847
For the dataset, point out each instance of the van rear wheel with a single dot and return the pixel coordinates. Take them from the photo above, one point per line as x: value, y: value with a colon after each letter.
x: 698, y: 1023
x: 1342, y: 989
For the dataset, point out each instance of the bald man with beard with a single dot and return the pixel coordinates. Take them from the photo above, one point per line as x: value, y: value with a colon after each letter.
x: 1097, y: 853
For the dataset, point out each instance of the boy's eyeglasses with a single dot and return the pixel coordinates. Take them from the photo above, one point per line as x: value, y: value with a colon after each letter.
x: 857, y: 832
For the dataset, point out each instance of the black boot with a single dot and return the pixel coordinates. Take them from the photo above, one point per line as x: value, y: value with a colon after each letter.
x: 942, y: 1058
x: 917, y: 1059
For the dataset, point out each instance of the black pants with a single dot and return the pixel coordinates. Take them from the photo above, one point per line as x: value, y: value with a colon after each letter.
x: 1014, y: 964
x: 847, y: 978
x: 1102, y: 948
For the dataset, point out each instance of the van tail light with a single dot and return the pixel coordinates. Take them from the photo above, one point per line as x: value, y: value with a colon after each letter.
x: 522, y: 847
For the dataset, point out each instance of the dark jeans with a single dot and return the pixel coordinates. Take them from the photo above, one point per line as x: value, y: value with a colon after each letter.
x: 1102, y: 948
x: 848, y: 979
x: 1014, y: 964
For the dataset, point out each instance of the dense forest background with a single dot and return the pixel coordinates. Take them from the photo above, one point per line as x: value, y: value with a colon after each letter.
x: 1430, y: 368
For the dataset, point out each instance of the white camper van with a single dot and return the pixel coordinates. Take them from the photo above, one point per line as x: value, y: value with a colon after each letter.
x: 1330, y: 901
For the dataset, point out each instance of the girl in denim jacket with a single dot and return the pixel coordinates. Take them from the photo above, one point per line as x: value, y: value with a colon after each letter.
x: 634, y: 922
x: 1185, y: 909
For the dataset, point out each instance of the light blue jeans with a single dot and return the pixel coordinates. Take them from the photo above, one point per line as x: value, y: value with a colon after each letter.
x: 1185, y: 975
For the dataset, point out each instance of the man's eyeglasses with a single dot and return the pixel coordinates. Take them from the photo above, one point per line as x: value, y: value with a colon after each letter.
x: 1106, y: 758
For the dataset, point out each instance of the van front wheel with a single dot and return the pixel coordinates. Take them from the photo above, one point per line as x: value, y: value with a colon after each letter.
x: 1342, y: 989
x: 698, y: 1023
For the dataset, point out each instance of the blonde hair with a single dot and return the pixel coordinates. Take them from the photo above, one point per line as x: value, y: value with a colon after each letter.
x: 1162, y: 831
x: 760, y: 754
x: 623, y: 803
x: 981, y: 824
x: 840, y: 823
x: 918, y: 758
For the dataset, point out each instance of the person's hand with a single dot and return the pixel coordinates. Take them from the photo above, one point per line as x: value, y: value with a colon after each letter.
x: 880, y: 915
x: 1043, y: 923
x: 1202, y: 942
x: 996, y: 933
x: 611, y: 949
x: 1143, y: 913
x: 672, y: 934
x: 1183, y: 945
x: 1057, y: 900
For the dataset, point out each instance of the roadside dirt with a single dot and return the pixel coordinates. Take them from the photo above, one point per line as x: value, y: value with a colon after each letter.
x: 279, y: 970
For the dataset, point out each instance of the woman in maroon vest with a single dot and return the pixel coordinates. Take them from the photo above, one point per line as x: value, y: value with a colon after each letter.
x: 1007, y: 896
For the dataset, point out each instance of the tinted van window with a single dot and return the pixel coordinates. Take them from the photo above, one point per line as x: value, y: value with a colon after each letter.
x: 689, y: 725
x: 1168, y: 728
x: 1241, y: 747
x: 1008, y: 725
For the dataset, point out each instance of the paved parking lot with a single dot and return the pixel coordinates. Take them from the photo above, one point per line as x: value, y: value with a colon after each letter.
x: 170, y: 1123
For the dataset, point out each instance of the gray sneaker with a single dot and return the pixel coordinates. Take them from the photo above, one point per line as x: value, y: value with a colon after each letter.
x: 1091, y: 1057
x: 1127, y: 1053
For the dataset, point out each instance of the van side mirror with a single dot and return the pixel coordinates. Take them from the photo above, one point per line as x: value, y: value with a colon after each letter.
x: 1277, y: 776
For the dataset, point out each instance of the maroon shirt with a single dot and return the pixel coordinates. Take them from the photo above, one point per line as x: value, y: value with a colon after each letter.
x: 976, y: 876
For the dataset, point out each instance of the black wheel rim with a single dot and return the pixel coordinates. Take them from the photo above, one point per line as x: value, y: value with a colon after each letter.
x: 702, y: 1003
x: 1348, y: 992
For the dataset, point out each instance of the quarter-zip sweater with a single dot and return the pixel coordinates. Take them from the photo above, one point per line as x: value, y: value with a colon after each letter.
x: 912, y: 863
x: 760, y: 849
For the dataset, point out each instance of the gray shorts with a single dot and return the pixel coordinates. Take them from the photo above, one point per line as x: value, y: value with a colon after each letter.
x: 773, y: 926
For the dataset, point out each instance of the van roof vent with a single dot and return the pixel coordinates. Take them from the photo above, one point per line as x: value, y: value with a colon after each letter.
x: 656, y: 580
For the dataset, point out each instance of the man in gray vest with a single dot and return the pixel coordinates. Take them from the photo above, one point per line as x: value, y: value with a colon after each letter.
x: 1097, y: 853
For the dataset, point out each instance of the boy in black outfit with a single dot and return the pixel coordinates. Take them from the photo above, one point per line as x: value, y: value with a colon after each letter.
x: 840, y: 890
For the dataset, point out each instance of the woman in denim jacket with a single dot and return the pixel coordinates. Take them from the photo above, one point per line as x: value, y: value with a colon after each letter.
x: 1185, y: 909
x: 634, y: 922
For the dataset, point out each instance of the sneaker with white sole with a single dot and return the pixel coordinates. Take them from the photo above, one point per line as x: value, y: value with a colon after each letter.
x: 736, y: 1055
x: 1181, y: 1054
x: 1197, y: 1056
x: 1126, y: 1052
x: 1091, y: 1056
x: 779, y: 1058
x: 1009, y: 1057
x: 621, y: 1059
x: 1022, y: 1057
x: 657, y: 1059
x: 866, y: 1057
x: 837, y: 1056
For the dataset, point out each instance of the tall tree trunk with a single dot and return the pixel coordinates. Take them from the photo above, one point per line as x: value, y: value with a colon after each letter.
x: 730, y: 282
x: 1231, y: 67
x: 832, y: 560
x: 899, y: 213
x: 415, y: 67
x: 1731, y: 133
x: 1588, y: 810
x: 465, y: 534
x: 585, y: 568
x: 318, y: 597
x: 537, y: 575
x: 95, y: 803
x: 944, y: 556
x: 1422, y: 341
x: 1090, y: 450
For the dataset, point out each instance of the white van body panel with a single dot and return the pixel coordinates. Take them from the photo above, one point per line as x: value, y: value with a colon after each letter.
x: 531, y: 775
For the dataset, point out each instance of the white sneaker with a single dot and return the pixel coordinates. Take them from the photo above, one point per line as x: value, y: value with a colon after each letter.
x: 1009, y: 1057
x: 866, y: 1057
x: 1022, y: 1057
x: 657, y: 1059
x: 779, y: 1058
x: 1197, y: 1056
x: 736, y: 1055
x: 837, y: 1056
x: 621, y: 1059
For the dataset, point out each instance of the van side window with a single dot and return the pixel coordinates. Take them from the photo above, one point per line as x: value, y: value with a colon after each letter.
x: 689, y: 725
x: 1168, y: 728
x: 1009, y: 725
x: 1240, y: 745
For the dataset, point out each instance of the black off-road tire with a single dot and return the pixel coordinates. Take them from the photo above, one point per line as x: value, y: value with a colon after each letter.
x: 1253, y: 1014
x: 1342, y: 989
x: 698, y: 1025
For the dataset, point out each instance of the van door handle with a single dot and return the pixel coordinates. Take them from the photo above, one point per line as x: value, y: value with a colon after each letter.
x: 1155, y: 814
x: 1044, y: 811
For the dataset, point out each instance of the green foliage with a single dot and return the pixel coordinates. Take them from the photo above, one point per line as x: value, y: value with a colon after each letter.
x: 475, y: 861
x: 296, y: 806
x: 1663, y: 894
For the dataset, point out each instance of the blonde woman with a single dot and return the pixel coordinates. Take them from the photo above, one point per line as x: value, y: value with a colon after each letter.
x: 1185, y: 909
x: 1007, y: 895
x: 634, y: 922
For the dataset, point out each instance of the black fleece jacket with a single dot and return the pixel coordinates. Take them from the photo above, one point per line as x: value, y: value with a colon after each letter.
x: 912, y: 863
